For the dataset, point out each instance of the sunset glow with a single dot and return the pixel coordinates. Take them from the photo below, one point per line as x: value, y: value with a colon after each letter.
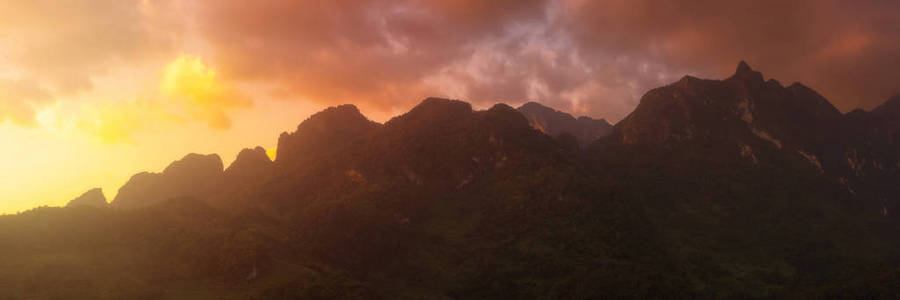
x: 92, y: 92
x: 449, y: 149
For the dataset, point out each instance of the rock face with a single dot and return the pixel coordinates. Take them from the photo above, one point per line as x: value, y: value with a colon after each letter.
x: 740, y: 107
x: 251, y: 162
x: 93, y: 197
x: 440, y: 144
x: 250, y: 166
x: 742, y: 119
x: 734, y: 188
x: 194, y: 175
x: 872, y: 162
x: 740, y: 112
x: 765, y: 123
x: 445, y: 143
x: 882, y: 124
x: 554, y: 123
x: 324, y: 132
x: 434, y: 111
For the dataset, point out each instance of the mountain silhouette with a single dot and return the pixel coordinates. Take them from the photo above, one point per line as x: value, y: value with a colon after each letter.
x: 739, y: 108
x: 250, y: 165
x: 193, y: 175
x: 93, y: 198
x: 554, y: 123
x: 732, y: 188
x: 322, y: 133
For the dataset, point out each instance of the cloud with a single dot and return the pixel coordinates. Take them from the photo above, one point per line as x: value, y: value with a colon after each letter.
x: 63, y: 44
x: 54, y: 51
x: 18, y: 99
x: 188, y: 91
x: 193, y: 87
x: 377, y: 54
x: 840, y: 48
x: 588, y: 57
x: 118, y: 122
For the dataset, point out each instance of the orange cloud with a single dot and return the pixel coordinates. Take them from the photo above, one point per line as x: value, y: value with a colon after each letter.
x: 597, y: 56
x: 193, y: 86
x: 189, y: 91
x: 64, y: 44
x: 18, y: 100
x: 593, y: 57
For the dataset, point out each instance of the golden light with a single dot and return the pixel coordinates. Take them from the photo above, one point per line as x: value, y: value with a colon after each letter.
x: 272, y: 152
x: 203, y: 96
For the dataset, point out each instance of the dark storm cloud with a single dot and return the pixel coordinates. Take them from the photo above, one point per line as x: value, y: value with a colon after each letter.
x: 847, y: 50
x: 587, y: 57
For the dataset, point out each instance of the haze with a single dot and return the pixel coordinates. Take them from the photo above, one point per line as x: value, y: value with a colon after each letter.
x: 92, y: 92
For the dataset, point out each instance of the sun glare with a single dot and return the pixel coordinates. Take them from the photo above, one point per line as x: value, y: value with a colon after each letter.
x: 48, y: 118
x: 271, y: 153
x: 189, y: 76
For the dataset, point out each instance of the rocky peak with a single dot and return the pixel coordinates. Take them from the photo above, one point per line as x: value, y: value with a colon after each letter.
x: 742, y: 108
x: 537, y: 108
x: 447, y: 145
x: 554, y: 123
x: 251, y: 165
x: 192, y: 176
x: 545, y: 119
x: 747, y: 74
x: 433, y: 111
x: 195, y: 165
x: 890, y: 107
x: 325, y: 131
x: 509, y: 117
x: 882, y: 124
x: 808, y: 101
x: 249, y: 159
x: 93, y: 197
x: 441, y: 105
x: 663, y: 115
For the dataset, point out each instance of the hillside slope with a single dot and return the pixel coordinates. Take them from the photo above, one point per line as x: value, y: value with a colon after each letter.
x: 735, y: 188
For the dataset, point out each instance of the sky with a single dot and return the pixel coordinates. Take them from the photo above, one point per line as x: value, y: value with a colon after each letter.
x: 93, y: 91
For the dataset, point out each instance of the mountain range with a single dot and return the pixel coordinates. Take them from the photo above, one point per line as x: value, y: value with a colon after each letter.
x: 733, y: 188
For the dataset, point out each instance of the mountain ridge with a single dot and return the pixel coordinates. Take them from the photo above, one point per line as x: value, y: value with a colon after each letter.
x: 732, y: 188
x: 554, y: 123
x: 189, y: 176
x: 93, y: 198
x: 333, y: 128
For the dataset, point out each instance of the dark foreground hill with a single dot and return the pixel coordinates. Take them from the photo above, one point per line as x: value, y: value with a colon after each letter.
x: 739, y: 188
